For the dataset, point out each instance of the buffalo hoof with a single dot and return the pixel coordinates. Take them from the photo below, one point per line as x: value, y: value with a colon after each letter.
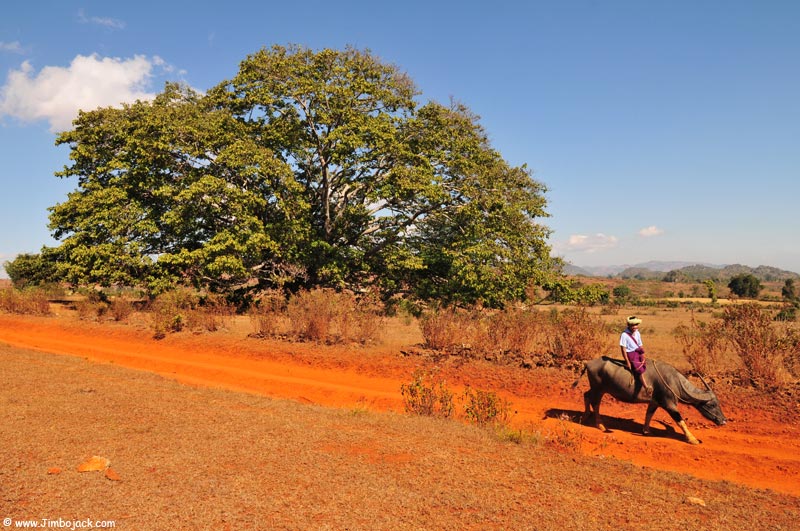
x: 692, y: 440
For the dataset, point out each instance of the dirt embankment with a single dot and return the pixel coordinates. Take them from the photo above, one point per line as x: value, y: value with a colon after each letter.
x: 753, y: 449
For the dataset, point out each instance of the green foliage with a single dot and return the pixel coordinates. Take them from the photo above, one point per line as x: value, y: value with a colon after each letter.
x: 427, y: 395
x: 622, y: 293
x: 787, y: 313
x: 711, y: 286
x: 565, y: 291
x: 486, y: 408
x: 789, y: 292
x: 306, y: 169
x: 745, y: 285
x: 33, y: 269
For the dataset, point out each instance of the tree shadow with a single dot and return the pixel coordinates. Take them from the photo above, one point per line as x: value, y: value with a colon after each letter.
x: 614, y: 423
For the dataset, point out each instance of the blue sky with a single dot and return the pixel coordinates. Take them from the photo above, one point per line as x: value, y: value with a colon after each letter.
x: 663, y: 130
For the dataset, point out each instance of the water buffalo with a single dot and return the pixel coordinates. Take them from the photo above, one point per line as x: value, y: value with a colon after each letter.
x: 608, y: 375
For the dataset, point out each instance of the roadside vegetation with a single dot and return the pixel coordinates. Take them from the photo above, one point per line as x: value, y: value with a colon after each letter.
x: 748, y: 343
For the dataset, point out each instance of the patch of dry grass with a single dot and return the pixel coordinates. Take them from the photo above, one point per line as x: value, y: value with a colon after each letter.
x: 192, y: 458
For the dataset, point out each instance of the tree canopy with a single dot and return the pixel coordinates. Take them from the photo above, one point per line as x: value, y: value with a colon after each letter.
x: 308, y: 168
x: 745, y: 285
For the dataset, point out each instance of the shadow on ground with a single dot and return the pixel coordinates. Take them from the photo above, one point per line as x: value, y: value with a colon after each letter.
x: 612, y: 424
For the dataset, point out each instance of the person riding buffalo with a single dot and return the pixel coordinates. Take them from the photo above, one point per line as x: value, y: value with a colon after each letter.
x: 630, y: 343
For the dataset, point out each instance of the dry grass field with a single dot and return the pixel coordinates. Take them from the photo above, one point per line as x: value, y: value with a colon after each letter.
x: 225, y: 431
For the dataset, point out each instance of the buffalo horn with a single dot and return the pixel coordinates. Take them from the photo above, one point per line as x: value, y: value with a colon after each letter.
x: 705, y: 382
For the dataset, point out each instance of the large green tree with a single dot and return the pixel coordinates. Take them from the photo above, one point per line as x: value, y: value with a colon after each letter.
x: 307, y: 168
x: 745, y: 285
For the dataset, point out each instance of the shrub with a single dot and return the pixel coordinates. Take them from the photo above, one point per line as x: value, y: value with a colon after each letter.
x: 324, y: 315
x: 427, y: 395
x: 209, y: 313
x: 360, y: 319
x: 702, y: 345
x: 447, y: 329
x: 169, y: 310
x: 30, y: 301
x: 121, y: 308
x: 622, y: 293
x: 268, y: 313
x: 513, y: 331
x: 576, y: 335
x: 787, y: 314
x: 761, y: 349
x: 89, y: 309
x: 486, y: 408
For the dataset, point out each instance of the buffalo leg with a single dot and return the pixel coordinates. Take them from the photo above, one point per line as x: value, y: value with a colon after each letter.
x: 591, y: 402
x: 651, y: 409
x: 676, y: 416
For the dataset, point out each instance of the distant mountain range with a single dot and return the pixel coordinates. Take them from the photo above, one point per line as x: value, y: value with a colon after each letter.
x: 680, y: 271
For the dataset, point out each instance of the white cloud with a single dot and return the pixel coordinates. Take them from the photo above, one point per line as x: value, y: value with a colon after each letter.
x: 13, y: 47
x: 57, y: 93
x: 589, y: 244
x: 107, y: 22
x: 650, y: 231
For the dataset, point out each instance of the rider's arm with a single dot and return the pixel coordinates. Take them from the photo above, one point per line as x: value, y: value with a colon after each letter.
x: 625, y: 356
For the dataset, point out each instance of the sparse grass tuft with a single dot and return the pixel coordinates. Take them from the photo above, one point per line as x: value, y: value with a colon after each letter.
x: 565, y: 437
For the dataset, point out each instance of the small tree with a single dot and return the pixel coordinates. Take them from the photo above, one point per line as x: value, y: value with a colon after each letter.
x: 32, y: 269
x: 622, y: 294
x: 745, y: 285
x: 712, y: 290
x: 788, y: 292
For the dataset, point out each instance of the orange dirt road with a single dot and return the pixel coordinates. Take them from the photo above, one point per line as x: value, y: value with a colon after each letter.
x: 753, y: 449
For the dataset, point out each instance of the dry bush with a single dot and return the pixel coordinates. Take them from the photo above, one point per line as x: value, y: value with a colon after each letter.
x: 324, y: 315
x: 360, y: 319
x: 576, y: 335
x: 485, y: 408
x: 210, y: 314
x: 702, y: 344
x: 513, y: 331
x: 448, y: 329
x: 762, y: 349
x: 311, y: 314
x: 28, y: 302
x: 89, y: 309
x: 268, y: 314
x: 121, y: 308
x: 427, y: 395
x: 168, y: 312
x: 790, y: 344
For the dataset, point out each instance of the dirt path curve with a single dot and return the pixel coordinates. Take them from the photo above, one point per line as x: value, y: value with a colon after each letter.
x: 752, y: 449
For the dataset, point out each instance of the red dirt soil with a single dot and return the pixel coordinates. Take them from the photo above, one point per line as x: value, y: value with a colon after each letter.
x: 754, y: 449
